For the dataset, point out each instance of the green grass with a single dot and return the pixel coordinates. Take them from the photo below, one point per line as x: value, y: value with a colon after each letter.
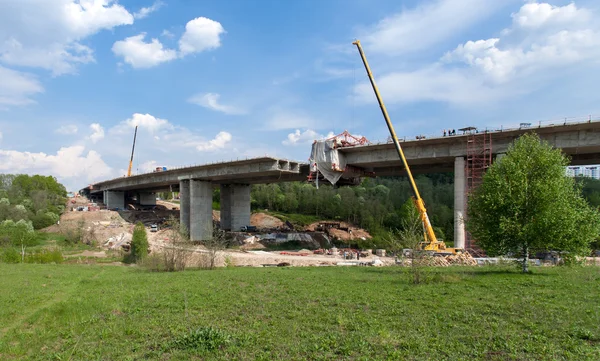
x: 74, y: 312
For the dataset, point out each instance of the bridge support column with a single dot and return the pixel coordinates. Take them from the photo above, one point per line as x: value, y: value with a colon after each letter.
x: 147, y: 199
x: 184, y: 205
x: 201, y: 224
x: 235, y: 206
x: 459, y: 202
x: 114, y: 199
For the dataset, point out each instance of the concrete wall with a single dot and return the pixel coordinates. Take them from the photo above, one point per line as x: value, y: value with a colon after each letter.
x: 235, y: 206
x: 147, y: 199
x: 114, y: 199
x: 201, y: 225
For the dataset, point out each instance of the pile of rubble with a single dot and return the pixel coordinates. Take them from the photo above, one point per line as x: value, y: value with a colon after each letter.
x: 461, y: 259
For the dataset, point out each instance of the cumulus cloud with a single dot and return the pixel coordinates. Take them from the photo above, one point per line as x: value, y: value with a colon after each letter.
x: 48, y: 33
x: 519, y: 61
x: 571, y: 40
x: 140, y: 54
x: 147, y: 121
x: 67, y: 129
x: 144, y: 12
x: 535, y: 15
x: 219, y: 142
x: 306, y: 137
x: 97, y: 132
x: 68, y: 162
x: 16, y: 88
x: 201, y: 34
x: 211, y: 101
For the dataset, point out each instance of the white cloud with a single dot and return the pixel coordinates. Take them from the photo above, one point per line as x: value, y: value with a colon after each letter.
x: 48, y: 33
x: 306, y: 137
x: 535, y: 15
x: 200, y: 34
x: 144, y: 12
x: 97, y: 132
x: 16, y: 87
x: 166, y: 33
x: 147, y: 121
x: 219, y: 142
x: 140, y: 54
x: 426, y: 25
x: 516, y: 63
x: 69, y: 162
x: 67, y: 129
x: 211, y: 101
x: 571, y: 43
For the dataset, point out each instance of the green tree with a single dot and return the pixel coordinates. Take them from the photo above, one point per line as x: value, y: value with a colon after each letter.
x: 526, y: 202
x: 139, y: 243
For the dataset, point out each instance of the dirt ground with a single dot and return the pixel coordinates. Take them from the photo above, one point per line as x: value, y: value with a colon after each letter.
x: 112, y: 229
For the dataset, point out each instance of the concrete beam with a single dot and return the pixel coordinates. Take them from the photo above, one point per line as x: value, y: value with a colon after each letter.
x: 201, y: 225
x: 184, y: 205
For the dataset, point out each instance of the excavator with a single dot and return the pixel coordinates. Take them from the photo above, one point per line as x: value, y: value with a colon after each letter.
x: 132, y: 150
x: 430, y: 243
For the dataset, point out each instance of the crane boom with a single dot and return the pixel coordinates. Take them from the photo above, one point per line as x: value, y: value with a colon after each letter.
x: 430, y: 237
x: 132, y: 150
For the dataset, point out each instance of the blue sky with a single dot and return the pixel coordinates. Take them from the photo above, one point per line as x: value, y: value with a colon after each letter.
x: 219, y: 80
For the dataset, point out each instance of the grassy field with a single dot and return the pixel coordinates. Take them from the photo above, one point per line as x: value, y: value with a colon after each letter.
x: 75, y: 312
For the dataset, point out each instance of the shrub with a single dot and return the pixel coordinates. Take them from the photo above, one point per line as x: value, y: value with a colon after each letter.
x: 10, y: 255
x: 44, y: 256
x: 139, y: 243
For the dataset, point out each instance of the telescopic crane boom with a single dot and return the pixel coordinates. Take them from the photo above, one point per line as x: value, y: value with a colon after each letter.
x: 431, y: 243
x: 132, y: 150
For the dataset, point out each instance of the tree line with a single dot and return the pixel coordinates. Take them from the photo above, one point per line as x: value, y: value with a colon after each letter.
x: 37, y: 200
x: 376, y: 204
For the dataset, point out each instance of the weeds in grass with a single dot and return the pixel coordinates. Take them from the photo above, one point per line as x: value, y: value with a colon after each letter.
x: 202, y: 338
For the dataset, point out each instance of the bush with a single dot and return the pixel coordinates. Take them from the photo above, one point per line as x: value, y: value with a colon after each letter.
x: 10, y: 255
x: 44, y: 256
x: 139, y: 243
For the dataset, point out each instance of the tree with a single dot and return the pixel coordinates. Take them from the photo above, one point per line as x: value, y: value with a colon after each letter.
x: 526, y: 202
x: 139, y: 243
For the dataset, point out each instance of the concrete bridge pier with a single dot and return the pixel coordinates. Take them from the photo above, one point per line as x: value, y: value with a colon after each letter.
x: 147, y: 199
x: 460, y: 202
x: 201, y: 223
x: 184, y: 204
x: 114, y: 199
x: 235, y: 206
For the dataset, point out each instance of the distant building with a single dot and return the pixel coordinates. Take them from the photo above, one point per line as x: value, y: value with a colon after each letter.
x: 590, y: 171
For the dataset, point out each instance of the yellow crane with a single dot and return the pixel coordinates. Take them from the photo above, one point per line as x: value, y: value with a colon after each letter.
x: 132, y: 150
x: 431, y: 242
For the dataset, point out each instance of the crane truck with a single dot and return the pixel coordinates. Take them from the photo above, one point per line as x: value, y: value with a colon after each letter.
x: 430, y: 243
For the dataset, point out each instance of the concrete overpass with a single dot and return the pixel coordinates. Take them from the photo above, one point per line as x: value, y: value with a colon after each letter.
x: 581, y: 141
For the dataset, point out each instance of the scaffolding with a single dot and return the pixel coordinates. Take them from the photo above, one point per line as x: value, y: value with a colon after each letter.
x: 479, y: 159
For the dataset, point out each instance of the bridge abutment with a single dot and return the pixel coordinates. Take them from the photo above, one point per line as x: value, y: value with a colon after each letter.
x: 235, y: 206
x: 201, y: 223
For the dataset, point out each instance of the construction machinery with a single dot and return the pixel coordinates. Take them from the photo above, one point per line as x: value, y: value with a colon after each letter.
x: 430, y: 243
x: 132, y: 150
